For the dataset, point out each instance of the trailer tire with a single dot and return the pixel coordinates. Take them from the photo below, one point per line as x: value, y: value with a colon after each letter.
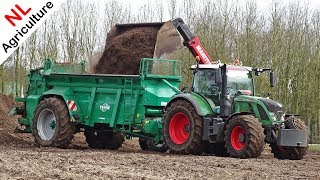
x: 292, y: 153
x: 143, y: 144
x: 94, y: 139
x: 244, y: 137
x: 162, y: 147
x: 113, y: 141
x: 51, y: 124
x: 183, y: 128
x: 103, y: 140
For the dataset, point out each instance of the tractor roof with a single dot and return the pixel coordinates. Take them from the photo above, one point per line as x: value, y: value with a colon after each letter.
x: 215, y: 66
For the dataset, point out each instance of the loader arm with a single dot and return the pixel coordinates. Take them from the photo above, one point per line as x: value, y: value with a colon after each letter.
x: 192, y: 41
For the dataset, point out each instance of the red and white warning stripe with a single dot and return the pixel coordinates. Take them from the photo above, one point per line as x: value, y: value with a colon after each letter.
x: 72, y: 105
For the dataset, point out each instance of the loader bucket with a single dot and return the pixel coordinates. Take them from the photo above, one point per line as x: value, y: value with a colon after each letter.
x: 168, y: 38
x: 126, y: 44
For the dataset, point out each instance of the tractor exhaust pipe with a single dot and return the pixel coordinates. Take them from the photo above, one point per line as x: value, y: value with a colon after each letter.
x: 225, y: 106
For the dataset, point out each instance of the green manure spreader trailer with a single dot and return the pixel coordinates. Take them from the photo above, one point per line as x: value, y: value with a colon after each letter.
x: 62, y: 100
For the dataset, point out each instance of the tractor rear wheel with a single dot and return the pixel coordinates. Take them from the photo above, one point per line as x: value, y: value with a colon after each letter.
x: 244, y: 137
x: 104, y: 140
x: 292, y: 153
x: 183, y: 128
x: 51, y: 124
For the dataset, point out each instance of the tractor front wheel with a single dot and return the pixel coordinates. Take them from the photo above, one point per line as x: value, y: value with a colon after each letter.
x: 244, y: 137
x: 183, y: 128
x: 51, y: 124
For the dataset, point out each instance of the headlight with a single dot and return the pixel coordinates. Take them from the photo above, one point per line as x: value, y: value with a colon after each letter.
x: 273, y: 116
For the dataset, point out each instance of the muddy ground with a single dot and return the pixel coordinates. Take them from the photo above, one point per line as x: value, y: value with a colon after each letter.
x: 129, y: 162
x: 20, y: 158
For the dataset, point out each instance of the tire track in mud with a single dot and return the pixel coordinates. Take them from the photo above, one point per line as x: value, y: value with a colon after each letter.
x: 131, y: 162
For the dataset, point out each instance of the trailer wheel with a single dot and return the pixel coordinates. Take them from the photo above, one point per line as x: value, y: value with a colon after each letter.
x: 103, y: 140
x: 143, y: 144
x: 244, y: 137
x: 113, y: 141
x: 148, y: 145
x: 183, y: 128
x: 162, y: 147
x: 292, y: 153
x: 51, y: 124
x: 94, y: 139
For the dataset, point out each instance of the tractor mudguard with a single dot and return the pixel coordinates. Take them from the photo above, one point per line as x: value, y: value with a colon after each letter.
x: 66, y: 94
x: 236, y: 114
x: 201, y: 105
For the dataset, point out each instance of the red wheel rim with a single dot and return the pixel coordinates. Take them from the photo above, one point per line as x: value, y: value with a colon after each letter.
x: 179, y: 128
x: 237, y: 138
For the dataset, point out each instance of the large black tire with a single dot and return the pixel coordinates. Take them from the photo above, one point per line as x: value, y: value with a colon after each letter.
x: 143, y: 143
x: 162, y: 147
x: 115, y: 142
x: 183, y: 128
x: 244, y: 137
x: 292, y: 153
x: 94, y: 139
x: 148, y: 145
x: 217, y: 149
x: 51, y: 124
x: 104, y: 140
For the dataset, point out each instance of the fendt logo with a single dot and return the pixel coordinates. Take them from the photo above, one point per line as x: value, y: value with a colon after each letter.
x: 203, y: 54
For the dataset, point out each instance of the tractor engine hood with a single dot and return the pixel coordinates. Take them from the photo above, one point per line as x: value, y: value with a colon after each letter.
x: 273, y: 107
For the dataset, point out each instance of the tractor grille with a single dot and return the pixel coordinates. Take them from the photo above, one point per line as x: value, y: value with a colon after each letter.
x: 274, y: 106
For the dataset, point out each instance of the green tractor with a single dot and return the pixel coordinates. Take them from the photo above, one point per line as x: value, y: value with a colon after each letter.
x: 221, y: 115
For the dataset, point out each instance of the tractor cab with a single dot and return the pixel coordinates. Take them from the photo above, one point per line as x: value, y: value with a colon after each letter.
x: 207, y: 81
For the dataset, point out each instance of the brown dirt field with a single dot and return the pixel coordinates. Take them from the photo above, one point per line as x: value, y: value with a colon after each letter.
x: 21, y: 159
x: 124, y: 50
x: 129, y: 162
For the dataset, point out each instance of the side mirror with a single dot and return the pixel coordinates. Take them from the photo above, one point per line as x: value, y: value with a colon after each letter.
x: 271, y: 79
x: 218, y: 76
